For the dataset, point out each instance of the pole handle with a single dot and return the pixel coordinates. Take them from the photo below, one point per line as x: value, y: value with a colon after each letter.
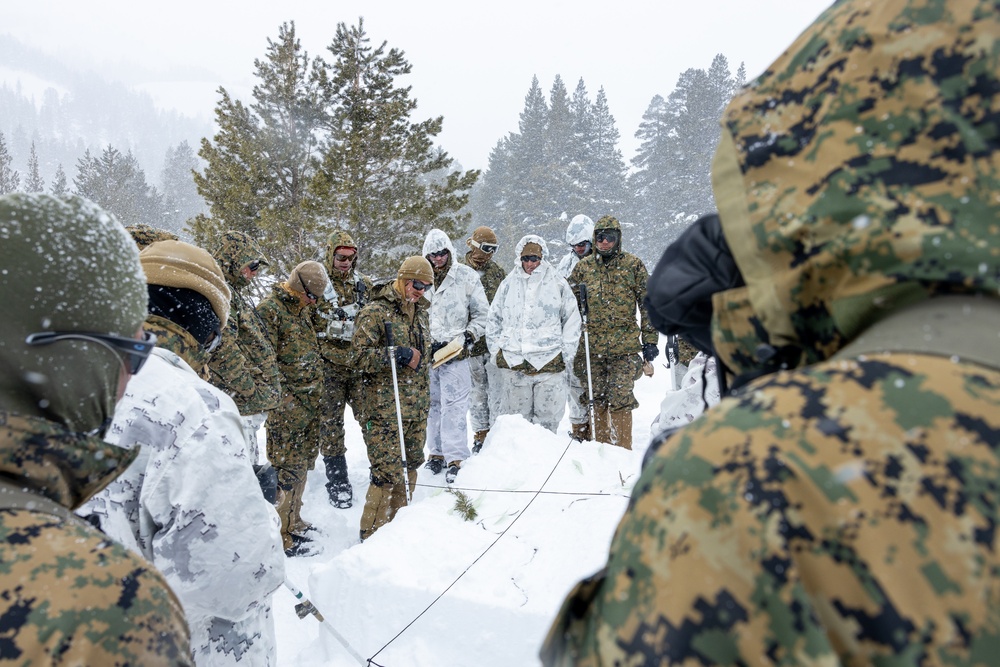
x: 584, y: 307
x: 388, y: 334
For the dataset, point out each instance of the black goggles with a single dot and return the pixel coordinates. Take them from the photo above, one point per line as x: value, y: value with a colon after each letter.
x: 439, y: 253
x: 420, y: 286
x: 133, y: 353
x: 581, y: 244
x: 254, y: 265
x: 530, y: 258
x: 607, y: 235
x: 488, y: 248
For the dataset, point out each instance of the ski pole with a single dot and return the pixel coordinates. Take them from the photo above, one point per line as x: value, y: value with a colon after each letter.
x: 305, y: 608
x: 585, y: 311
x: 399, y: 410
x: 671, y: 360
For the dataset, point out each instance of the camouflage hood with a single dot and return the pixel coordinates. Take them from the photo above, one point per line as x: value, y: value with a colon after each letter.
x: 607, y: 222
x: 859, y: 174
x: 236, y: 250
x: 338, y: 239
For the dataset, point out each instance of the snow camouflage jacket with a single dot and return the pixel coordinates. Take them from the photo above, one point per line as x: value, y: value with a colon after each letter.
x: 533, y: 318
x: 580, y: 229
x: 244, y: 365
x: 459, y: 304
x: 843, y: 511
x: 377, y: 399
x: 616, y: 286
x: 106, y: 606
x: 288, y: 327
x: 335, y: 315
x: 190, y: 504
x: 491, y: 275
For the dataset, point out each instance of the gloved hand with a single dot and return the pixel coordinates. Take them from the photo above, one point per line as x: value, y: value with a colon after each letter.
x: 650, y: 351
x: 341, y: 314
x: 470, y: 340
x: 435, y: 347
x: 403, y: 356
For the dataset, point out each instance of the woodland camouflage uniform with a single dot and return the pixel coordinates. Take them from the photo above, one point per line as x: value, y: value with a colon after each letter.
x: 842, y: 511
x: 244, y: 365
x: 68, y: 594
x: 333, y: 320
x: 410, y: 328
x: 293, y: 427
x: 616, y: 286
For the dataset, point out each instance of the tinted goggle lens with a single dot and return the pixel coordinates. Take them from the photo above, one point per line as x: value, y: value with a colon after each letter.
x: 439, y: 253
x: 530, y: 258
x: 489, y: 248
x: 343, y: 258
x: 254, y: 265
x: 611, y: 236
x: 131, y: 351
x: 420, y: 286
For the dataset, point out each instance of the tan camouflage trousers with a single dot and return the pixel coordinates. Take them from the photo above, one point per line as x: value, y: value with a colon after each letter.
x: 342, y: 386
x: 613, y: 378
x: 387, y: 491
x: 292, y: 445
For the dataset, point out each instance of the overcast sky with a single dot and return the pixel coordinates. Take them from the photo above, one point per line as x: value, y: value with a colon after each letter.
x: 472, y: 62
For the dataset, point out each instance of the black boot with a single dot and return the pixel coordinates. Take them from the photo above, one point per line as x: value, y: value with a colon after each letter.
x: 338, y: 486
x: 435, y: 464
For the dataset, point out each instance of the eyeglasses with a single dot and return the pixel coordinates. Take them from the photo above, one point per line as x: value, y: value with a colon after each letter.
x: 132, y: 352
x: 488, y: 248
x: 530, y: 258
x: 439, y: 253
x: 254, y: 265
x: 420, y: 286
x: 607, y: 235
x: 343, y: 258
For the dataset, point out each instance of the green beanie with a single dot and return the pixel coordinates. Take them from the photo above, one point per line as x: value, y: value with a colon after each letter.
x: 65, y: 265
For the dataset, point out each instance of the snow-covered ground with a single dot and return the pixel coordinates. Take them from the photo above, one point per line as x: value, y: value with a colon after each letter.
x: 434, y: 589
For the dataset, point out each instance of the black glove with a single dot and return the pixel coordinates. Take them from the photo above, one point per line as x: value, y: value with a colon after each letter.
x: 470, y: 340
x: 435, y: 347
x: 341, y: 314
x: 650, y: 351
x: 403, y: 356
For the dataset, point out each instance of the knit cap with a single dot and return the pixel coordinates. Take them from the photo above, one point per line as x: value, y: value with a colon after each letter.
x: 309, y: 276
x: 531, y: 249
x: 484, y: 235
x: 416, y: 268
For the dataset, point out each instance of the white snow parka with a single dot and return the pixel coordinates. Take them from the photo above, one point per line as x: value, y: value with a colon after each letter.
x: 459, y: 304
x: 191, y: 505
x: 533, y: 317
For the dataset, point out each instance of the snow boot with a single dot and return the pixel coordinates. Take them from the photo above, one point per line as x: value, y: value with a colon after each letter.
x: 301, y: 546
x: 580, y: 432
x: 602, y: 424
x: 297, y: 525
x: 338, y: 486
x: 621, y: 428
x: 377, y: 509
x: 452, y: 471
x: 435, y: 464
x: 478, y: 439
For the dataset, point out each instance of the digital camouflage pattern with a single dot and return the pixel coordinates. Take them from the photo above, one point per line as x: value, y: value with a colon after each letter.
x: 333, y: 319
x: 243, y: 366
x: 68, y: 594
x: 293, y: 427
x: 491, y: 275
x: 378, y: 400
x: 145, y: 235
x: 842, y: 512
x: 616, y: 287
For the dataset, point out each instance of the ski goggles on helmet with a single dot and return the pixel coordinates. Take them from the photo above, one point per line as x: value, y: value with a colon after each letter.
x: 132, y: 352
x: 607, y: 235
x: 488, y: 248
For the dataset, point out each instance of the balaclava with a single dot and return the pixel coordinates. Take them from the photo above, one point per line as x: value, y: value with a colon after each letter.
x: 65, y: 265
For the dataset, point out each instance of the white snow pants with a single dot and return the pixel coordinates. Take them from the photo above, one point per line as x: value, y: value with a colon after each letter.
x: 447, y: 431
x: 484, y: 399
x: 577, y: 413
x: 541, y: 398
x: 251, y: 425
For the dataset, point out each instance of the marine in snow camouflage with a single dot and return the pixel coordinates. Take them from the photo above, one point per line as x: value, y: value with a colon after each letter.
x: 844, y: 511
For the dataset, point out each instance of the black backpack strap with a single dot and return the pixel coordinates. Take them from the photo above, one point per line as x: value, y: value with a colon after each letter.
x: 964, y: 327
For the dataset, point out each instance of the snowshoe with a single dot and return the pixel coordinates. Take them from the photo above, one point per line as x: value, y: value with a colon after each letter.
x: 341, y: 495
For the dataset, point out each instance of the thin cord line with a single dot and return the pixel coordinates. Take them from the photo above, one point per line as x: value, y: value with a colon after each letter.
x: 371, y: 660
x: 549, y: 493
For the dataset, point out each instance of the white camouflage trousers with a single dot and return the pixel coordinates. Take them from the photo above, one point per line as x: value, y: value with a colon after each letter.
x: 447, y: 431
x: 577, y: 413
x: 251, y: 425
x: 484, y: 398
x: 541, y: 398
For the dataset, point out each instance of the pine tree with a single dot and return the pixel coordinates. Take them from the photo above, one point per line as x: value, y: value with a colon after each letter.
x: 381, y: 177
x: 34, y: 183
x: 10, y: 180
x: 262, y: 159
x: 181, y: 201
x: 605, y: 173
x: 116, y: 183
x: 59, y: 185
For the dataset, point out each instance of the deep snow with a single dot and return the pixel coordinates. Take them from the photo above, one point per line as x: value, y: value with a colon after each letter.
x: 433, y: 589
